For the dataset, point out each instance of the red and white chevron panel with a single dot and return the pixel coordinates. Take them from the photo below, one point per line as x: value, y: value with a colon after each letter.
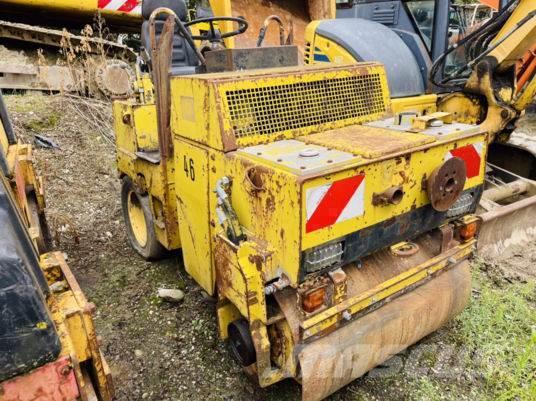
x: 335, y: 202
x: 471, y: 155
x: 126, y: 6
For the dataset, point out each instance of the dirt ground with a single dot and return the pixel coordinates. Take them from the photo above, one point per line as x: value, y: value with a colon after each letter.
x: 167, y: 352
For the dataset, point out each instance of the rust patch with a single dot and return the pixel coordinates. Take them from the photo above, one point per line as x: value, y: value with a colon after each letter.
x: 252, y: 298
x: 254, y: 178
x: 368, y: 142
x: 256, y: 260
x: 299, y: 13
x: 222, y: 263
x: 392, y: 195
x: 270, y: 203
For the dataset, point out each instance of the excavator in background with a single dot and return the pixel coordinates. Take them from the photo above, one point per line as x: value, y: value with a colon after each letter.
x: 470, y: 15
x: 120, y: 15
x: 89, y: 62
x: 48, y: 346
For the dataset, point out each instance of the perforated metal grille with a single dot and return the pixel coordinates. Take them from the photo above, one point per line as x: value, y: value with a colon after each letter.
x: 279, y: 108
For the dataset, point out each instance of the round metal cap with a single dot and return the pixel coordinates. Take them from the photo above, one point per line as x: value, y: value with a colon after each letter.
x: 309, y: 152
x: 446, y: 184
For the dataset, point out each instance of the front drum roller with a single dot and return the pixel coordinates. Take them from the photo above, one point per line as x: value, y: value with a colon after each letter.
x: 139, y: 222
x: 331, y: 362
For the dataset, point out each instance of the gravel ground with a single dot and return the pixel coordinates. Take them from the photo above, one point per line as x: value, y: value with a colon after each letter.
x: 160, y: 351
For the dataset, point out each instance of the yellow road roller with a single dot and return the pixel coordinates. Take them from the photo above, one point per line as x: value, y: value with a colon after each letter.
x: 49, y: 349
x: 333, y: 232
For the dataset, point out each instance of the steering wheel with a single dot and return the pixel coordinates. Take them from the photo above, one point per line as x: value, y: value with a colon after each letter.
x: 214, y: 35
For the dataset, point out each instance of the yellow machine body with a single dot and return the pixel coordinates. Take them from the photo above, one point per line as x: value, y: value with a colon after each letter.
x: 73, y: 316
x: 277, y: 139
x: 500, y: 87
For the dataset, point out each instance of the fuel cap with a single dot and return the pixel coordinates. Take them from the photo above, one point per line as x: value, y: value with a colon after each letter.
x: 309, y: 152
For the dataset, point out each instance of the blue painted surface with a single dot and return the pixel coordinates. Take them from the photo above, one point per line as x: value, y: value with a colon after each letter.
x: 322, y: 58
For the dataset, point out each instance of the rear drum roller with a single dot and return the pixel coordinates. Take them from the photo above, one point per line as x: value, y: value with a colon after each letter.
x: 241, y: 343
x: 139, y: 222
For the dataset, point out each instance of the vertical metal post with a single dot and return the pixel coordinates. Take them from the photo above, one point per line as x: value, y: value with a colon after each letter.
x: 441, y: 28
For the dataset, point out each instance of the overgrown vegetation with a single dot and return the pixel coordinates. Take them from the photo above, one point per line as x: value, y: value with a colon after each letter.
x: 497, y: 332
x: 499, y: 328
x: 41, y: 124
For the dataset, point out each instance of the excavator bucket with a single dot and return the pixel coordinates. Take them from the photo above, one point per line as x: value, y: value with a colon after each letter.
x: 507, y: 224
x: 508, y: 204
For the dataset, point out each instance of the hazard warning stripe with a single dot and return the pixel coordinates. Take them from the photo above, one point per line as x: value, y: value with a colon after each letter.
x: 332, y: 203
x: 120, y: 5
x: 471, y: 155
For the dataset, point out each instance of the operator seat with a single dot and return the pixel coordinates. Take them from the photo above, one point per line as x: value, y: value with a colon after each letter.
x: 184, y: 60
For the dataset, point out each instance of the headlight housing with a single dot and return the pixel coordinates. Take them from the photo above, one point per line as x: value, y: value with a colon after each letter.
x: 323, y: 256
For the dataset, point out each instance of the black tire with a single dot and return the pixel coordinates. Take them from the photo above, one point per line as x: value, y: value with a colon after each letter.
x: 149, y: 248
x: 241, y: 343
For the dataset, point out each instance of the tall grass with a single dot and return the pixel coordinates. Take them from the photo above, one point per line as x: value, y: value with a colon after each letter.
x: 499, y: 327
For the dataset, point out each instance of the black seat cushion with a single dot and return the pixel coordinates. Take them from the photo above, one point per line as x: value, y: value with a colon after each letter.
x: 178, y: 7
x: 183, y: 55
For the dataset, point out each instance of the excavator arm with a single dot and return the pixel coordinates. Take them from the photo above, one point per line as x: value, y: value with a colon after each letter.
x: 499, y: 69
x: 496, y: 88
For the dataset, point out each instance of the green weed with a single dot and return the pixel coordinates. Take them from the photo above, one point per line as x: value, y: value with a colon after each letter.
x: 499, y: 326
x: 43, y: 123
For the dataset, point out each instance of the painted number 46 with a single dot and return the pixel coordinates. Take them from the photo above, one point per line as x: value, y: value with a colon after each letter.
x: 189, y: 168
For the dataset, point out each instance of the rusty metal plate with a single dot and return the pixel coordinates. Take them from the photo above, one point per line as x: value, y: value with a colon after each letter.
x: 251, y: 58
x: 446, y: 183
x: 369, y: 142
x: 438, y: 132
x: 295, y: 11
x: 55, y: 381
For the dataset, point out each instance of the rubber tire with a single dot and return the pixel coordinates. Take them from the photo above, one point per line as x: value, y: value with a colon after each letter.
x: 152, y: 249
x: 241, y: 343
